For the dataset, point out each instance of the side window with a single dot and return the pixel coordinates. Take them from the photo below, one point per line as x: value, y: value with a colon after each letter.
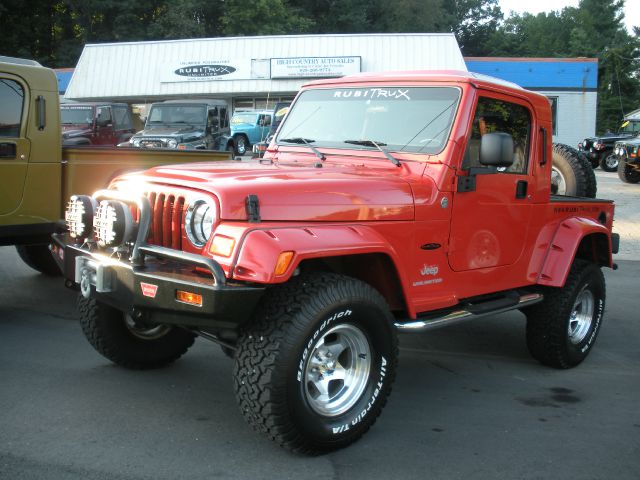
x: 499, y: 116
x: 12, y: 100
x: 265, y: 120
x: 121, y: 117
x: 224, y: 121
x: 104, y: 115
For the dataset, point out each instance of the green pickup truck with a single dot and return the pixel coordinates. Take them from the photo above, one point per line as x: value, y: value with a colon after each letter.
x: 37, y: 173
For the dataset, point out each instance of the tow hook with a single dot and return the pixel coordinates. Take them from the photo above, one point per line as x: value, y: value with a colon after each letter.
x: 87, y: 278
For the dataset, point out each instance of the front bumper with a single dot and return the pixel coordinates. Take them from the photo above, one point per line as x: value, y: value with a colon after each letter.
x: 149, y: 290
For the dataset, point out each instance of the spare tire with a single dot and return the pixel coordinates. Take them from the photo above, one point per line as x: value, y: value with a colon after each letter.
x: 571, y: 173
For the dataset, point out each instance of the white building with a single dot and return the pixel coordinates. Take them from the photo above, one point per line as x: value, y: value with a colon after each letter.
x: 255, y: 72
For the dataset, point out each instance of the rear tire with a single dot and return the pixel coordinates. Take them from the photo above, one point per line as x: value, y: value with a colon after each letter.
x: 627, y: 174
x: 315, y: 368
x: 40, y: 258
x: 116, y: 337
x: 562, y: 329
x: 571, y: 173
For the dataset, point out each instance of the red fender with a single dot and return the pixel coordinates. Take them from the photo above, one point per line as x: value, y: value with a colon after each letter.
x: 259, y: 251
x: 562, y: 249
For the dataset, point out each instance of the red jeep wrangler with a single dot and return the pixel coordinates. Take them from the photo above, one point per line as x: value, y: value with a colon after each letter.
x: 386, y: 203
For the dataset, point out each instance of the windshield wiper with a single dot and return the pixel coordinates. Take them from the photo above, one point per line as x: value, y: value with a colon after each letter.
x: 307, y: 142
x: 378, y: 145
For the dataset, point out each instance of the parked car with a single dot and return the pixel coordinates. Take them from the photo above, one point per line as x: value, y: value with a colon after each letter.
x: 201, y: 124
x: 599, y: 150
x: 386, y: 203
x: 249, y: 128
x: 91, y: 123
x: 279, y: 112
x: 628, y: 154
x: 37, y: 175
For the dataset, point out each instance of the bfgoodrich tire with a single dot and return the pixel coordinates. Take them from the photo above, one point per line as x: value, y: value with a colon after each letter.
x: 314, y: 369
x: 118, y: 338
x: 571, y: 173
x: 562, y: 329
x: 39, y: 258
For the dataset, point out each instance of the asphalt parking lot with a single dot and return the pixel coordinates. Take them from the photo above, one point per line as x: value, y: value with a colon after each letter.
x: 468, y: 401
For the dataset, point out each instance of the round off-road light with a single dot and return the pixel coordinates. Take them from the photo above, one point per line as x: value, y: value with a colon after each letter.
x: 79, y: 215
x: 199, y: 221
x: 112, y: 223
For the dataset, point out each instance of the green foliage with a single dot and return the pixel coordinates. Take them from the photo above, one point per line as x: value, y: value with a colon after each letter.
x: 55, y: 31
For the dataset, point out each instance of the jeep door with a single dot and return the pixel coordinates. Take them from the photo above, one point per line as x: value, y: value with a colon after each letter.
x: 14, y: 147
x: 492, y: 206
x: 105, y: 128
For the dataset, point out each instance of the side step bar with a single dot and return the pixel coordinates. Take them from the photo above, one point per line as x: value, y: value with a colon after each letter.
x: 471, y: 311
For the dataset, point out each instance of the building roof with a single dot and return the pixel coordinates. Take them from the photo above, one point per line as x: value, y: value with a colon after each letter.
x: 143, y: 71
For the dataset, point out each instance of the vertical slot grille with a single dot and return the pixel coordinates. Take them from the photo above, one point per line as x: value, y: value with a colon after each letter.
x: 167, y: 220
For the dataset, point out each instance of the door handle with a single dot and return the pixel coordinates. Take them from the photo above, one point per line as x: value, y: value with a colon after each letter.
x: 8, y: 150
x: 521, y: 189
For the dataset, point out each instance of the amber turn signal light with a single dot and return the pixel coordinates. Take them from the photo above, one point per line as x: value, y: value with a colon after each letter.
x: 284, y: 260
x: 189, y: 297
x: 222, y: 245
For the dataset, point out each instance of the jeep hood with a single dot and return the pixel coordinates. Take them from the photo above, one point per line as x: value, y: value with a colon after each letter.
x: 71, y: 131
x: 292, y: 193
x: 169, y: 131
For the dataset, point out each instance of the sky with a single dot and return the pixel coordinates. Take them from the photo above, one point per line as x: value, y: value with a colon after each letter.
x: 631, y: 8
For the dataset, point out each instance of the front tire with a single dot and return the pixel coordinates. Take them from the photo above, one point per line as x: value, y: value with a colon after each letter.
x: 242, y: 143
x: 127, y: 343
x: 609, y: 162
x: 39, y: 258
x: 314, y: 370
x: 628, y: 174
x: 562, y: 329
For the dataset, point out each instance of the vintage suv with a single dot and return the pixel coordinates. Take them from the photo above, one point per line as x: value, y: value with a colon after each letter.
x: 201, y: 124
x: 628, y: 154
x: 249, y: 128
x: 387, y: 203
x: 91, y: 123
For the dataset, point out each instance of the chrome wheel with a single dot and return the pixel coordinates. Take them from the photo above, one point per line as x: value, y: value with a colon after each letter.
x: 581, y: 316
x: 145, y: 332
x: 558, y: 182
x: 611, y: 162
x: 337, y: 370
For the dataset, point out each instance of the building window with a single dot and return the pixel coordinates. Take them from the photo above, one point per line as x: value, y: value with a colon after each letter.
x: 11, y: 99
x: 554, y: 113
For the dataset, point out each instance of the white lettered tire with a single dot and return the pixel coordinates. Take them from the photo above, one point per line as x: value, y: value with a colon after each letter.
x: 314, y: 370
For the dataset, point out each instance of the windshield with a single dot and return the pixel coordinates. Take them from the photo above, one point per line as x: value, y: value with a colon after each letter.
x: 76, y: 115
x: 249, y: 118
x: 630, y: 127
x: 416, y: 119
x: 177, y: 114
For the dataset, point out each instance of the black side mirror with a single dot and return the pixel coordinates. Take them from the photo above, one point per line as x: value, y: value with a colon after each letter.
x: 496, y: 149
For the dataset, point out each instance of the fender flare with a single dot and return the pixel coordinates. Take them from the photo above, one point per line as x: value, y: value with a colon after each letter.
x: 563, y: 248
x: 259, y: 249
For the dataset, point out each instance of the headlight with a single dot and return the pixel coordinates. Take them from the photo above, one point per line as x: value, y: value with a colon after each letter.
x: 199, y: 221
x: 136, y: 142
x: 79, y: 215
x: 172, y: 143
x: 598, y: 145
x: 112, y: 223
